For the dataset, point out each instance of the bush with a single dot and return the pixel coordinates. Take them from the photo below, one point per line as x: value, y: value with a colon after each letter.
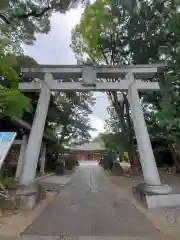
x: 9, y: 182
x: 7, y: 179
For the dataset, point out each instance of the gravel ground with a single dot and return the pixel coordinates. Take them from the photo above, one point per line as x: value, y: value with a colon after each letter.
x: 167, y: 220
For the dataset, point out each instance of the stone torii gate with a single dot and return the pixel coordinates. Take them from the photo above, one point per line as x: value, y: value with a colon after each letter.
x: 53, y: 78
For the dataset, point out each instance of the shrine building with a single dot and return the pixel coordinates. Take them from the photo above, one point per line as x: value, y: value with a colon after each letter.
x: 89, y: 151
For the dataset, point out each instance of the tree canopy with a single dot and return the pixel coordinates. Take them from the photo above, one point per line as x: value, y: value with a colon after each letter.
x: 118, y: 32
x: 19, y: 23
x: 26, y: 18
x: 72, y: 122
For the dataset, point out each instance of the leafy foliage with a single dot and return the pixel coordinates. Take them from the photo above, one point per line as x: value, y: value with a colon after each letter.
x: 112, y: 124
x: 26, y: 18
x: 140, y: 33
x: 113, y: 142
x: 73, y: 122
x: 12, y: 102
x: 102, y: 45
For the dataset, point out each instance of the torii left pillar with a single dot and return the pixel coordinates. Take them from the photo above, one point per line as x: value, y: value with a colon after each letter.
x: 21, y: 155
x: 28, y: 190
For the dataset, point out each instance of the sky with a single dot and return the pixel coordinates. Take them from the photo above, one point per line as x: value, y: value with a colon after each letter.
x: 54, y: 48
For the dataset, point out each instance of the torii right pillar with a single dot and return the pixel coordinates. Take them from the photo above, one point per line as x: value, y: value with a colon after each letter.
x: 152, y: 192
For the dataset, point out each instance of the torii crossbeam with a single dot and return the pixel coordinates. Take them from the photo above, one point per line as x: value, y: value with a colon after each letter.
x: 89, y: 74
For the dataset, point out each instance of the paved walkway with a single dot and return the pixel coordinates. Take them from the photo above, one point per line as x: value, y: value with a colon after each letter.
x: 55, y: 182
x: 90, y: 206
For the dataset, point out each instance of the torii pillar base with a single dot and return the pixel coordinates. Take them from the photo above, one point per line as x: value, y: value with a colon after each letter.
x: 156, y: 196
x: 29, y: 196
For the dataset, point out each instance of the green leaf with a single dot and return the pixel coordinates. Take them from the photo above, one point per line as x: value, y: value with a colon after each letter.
x: 13, y: 103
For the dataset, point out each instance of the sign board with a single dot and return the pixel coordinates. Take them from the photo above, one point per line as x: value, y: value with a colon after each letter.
x: 6, y: 140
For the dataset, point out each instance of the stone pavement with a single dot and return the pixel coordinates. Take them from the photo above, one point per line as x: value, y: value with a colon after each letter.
x: 90, y: 206
x: 56, y: 182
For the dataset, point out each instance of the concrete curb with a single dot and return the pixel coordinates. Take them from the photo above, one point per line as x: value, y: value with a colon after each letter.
x: 44, y: 176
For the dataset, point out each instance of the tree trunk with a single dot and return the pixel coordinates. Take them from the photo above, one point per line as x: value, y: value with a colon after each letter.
x: 175, y: 157
x: 133, y: 159
x: 63, y: 135
x: 132, y: 153
x: 126, y: 127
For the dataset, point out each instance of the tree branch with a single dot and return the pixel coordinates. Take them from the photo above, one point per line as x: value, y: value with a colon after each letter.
x: 33, y: 13
x: 104, y: 55
x: 5, y: 20
x: 113, y: 49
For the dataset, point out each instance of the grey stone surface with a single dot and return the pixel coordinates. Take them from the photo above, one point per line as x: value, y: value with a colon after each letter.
x: 55, y: 183
x: 28, y: 196
x: 35, y: 138
x: 153, y: 200
x: 90, y: 206
x: 35, y: 237
x: 168, y: 200
x: 154, y: 190
x: 61, y: 180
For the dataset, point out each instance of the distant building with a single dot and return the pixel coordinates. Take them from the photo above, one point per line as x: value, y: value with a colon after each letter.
x: 89, y: 151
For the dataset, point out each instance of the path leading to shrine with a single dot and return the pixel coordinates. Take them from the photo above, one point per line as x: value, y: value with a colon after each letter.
x: 91, y: 206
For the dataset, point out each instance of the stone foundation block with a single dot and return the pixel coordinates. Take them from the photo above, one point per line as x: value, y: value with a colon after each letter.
x: 155, y: 200
x: 30, y: 195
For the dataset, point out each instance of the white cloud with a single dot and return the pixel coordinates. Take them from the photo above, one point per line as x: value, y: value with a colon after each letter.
x: 98, y: 124
x: 100, y: 108
x: 99, y: 95
x: 54, y: 48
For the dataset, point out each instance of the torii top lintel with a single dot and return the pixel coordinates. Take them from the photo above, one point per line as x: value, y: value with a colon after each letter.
x: 103, y: 71
x: 89, y: 74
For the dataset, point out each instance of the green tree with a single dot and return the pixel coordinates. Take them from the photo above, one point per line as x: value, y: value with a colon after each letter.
x: 102, y: 45
x: 12, y: 102
x: 25, y: 18
x: 136, y: 34
x: 72, y: 121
